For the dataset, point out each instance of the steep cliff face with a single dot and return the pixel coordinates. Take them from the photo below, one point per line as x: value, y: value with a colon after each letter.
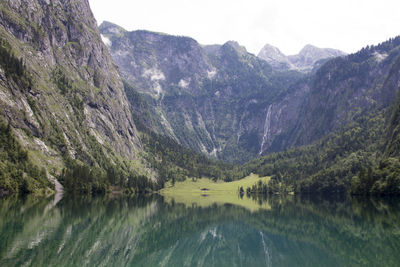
x: 213, y: 99
x: 275, y: 57
x: 158, y: 65
x: 225, y: 102
x: 74, y: 103
x: 347, y: 87
x: 281, y: 117
x: 333, y: 96
x: 144, y: 59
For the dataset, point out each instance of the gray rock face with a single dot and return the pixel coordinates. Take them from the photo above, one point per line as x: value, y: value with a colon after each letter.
x: 275, y: 58
x: 210, y: 98
x: 304, y: 61
x: 223, y: 101
x: 61, y: 46
x: 310, y: 55
x: 145, y: 58
x: 281, y: 116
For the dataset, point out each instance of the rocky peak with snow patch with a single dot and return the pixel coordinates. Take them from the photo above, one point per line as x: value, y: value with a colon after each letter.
x: 304, y: 61
x: 275, y: 57
x: 110, y: 28
x: 310, y: 55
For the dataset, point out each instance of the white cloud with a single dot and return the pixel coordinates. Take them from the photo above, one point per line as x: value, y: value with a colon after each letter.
x: 288, y: 24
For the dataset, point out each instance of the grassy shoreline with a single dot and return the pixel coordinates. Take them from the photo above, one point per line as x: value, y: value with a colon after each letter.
x: 204, y: 192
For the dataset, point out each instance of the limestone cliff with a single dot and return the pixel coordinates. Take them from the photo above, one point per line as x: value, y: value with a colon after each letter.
x: 74, y: 103
x: 212, y: 99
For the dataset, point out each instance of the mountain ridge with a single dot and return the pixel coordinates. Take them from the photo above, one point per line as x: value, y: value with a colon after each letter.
x: 305, y: 60
x: 189, y: 85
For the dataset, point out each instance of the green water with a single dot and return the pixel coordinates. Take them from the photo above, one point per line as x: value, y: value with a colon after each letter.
x: 149, y: 232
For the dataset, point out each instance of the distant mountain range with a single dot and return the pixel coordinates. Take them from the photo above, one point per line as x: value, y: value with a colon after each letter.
x: 305, y: 60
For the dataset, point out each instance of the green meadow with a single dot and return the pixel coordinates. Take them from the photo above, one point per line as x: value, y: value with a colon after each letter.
x: 205, y: 192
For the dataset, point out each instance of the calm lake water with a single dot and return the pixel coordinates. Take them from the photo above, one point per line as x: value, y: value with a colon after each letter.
x: 290, y: 231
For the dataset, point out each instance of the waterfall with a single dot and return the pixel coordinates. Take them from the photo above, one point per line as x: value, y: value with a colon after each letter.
x: 267, y: 128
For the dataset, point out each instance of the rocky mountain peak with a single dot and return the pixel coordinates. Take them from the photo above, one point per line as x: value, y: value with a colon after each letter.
x: 275, y: 57
x: 107, y: 27
x: 317, y: 53
x: 304, y: 61
x: 270, y: 51
x: 235, y: 45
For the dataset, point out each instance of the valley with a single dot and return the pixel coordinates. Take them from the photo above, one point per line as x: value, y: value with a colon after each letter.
x: 100, y: 107
x: 123, y: 147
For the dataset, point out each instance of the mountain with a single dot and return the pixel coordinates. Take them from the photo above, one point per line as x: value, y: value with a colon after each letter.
x: 69, y: 112
x: 60, y: 92
x: 65, y: 112
x: 331, y: 119
x: 345, y: 136
x: 333, y: 96
x: 346, y: 87
x: 310, y: 55
x: 336, y: 125
x: 217, y: 99
x: 275, y: 58
x: 308, y: 58
x: 212, y: 99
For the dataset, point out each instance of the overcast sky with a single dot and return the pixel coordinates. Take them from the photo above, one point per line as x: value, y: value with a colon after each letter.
x: 348, y: 25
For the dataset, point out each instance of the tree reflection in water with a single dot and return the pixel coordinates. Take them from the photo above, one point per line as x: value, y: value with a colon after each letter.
x: 147, y: 231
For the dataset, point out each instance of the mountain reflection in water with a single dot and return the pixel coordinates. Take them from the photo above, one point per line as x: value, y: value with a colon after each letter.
x: 148, y: 231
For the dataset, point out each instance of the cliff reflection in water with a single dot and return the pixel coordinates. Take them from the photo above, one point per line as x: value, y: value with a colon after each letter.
x: 150, y: 232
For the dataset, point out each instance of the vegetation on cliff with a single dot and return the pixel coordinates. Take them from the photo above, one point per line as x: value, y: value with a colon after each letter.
x: 17, y: 172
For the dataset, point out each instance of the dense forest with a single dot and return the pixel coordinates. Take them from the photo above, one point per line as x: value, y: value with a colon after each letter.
x: 361, y: 156
x: 17, y: 172
x: 384, y: 178
x: 172, y: 161
x: 80, y: 178
x: 360, y: 159
x: 13, y: 66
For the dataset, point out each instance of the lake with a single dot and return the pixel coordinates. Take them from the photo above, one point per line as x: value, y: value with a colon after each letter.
x: 153, y: 231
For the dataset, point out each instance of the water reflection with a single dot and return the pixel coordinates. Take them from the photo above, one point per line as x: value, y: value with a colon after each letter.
x: 152, y: 232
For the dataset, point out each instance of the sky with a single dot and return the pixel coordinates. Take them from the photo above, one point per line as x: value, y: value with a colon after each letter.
x: 347, y: 25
